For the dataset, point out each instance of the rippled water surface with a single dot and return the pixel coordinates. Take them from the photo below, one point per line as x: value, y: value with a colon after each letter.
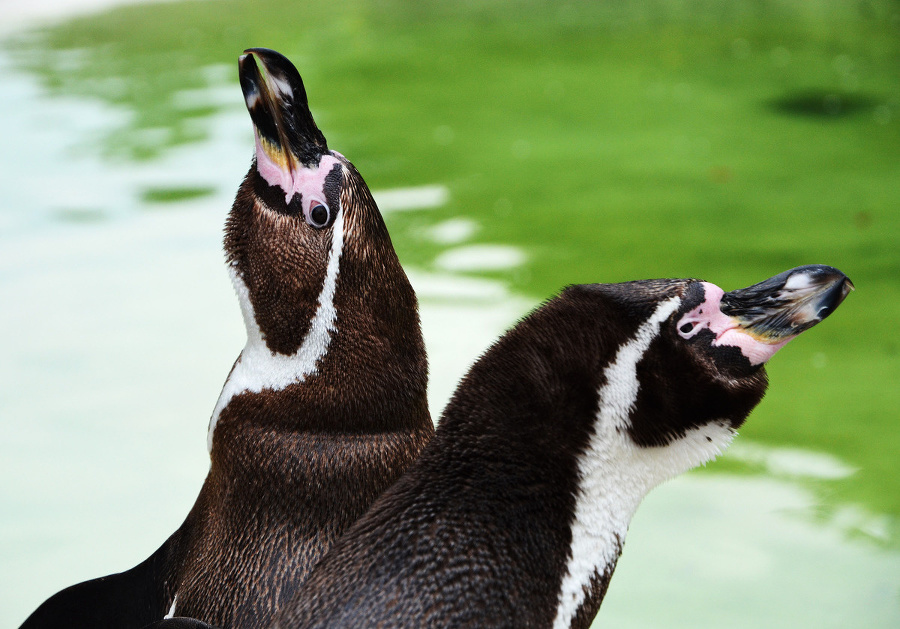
x: 510, y: 157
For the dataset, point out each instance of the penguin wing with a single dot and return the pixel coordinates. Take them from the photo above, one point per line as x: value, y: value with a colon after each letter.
x: 127, y: 600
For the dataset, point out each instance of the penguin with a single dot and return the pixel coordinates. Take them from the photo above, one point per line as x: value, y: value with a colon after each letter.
x: 324, y: 408
x: 516, y: 512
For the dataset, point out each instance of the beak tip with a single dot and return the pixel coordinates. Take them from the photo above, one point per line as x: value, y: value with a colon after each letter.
x: 846, y: 287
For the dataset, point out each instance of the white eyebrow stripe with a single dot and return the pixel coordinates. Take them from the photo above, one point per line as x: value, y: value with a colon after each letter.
x: 619, y: 394
x: 607, y: 497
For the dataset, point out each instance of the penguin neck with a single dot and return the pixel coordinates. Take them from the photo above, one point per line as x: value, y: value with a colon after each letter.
x: 360, y: 365
x: 569, y: 438
x: 614, y: 477
x: 615, y: 474
x: 259, y: 368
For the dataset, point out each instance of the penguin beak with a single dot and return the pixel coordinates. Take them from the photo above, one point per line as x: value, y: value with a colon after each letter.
x: 286, y: 134
x: 778, y: 309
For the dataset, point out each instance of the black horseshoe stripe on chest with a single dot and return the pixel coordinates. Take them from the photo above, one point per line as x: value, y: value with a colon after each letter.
x: 266, y: 253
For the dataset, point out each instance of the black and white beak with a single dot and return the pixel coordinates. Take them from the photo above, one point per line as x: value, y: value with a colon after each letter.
x: 760, y: 319
x: 783, y: 306
x: 285, y: 130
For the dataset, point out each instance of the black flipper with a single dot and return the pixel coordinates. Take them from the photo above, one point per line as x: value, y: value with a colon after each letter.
x: 127, y: 600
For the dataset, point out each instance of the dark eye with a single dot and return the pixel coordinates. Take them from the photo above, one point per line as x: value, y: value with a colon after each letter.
x: 686, y: 328
x: 318, y: 216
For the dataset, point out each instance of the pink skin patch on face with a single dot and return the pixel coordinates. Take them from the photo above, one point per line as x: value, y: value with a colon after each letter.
x: 728, y: 331
x: 309, y: 182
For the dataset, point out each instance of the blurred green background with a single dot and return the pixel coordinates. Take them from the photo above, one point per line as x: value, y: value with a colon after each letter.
x: 600, y: 142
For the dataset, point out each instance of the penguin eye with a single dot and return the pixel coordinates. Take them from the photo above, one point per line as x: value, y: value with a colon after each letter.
x: 319, y: 216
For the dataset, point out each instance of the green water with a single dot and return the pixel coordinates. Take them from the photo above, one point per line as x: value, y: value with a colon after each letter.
x: 573, y: 142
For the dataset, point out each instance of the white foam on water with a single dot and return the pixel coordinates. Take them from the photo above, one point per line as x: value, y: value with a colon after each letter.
x: 793, y: 462
x: 452, y: 231
x: 413, y: 198
x: 478, y: 258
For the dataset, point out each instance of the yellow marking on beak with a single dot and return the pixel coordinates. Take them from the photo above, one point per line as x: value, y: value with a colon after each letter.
x: 764, y: 337
x: 280, y: 156
x: 767, y: 337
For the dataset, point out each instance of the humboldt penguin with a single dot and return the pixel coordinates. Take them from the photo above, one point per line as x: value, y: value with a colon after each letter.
x: 324, y: 408
x: 516, y: 512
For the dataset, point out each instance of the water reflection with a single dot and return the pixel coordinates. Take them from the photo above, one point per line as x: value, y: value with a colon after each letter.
x: 480, y: 258
x: 159, y: 195
x: 452, y: 231
x: 827, y: 104
x: 754, y: 555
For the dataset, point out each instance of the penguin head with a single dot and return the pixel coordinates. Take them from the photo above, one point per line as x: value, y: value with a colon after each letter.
x: 704, y: 363
x: 674, y: 368
x: 303, y: 216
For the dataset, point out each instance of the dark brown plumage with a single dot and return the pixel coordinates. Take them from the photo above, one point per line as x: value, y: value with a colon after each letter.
x: 323, y: 410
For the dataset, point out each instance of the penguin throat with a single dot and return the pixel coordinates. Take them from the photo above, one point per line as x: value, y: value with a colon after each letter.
x: 615, y: 474
x: 259, y: 368
x: 278, y: 167
x: 728, y: 331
